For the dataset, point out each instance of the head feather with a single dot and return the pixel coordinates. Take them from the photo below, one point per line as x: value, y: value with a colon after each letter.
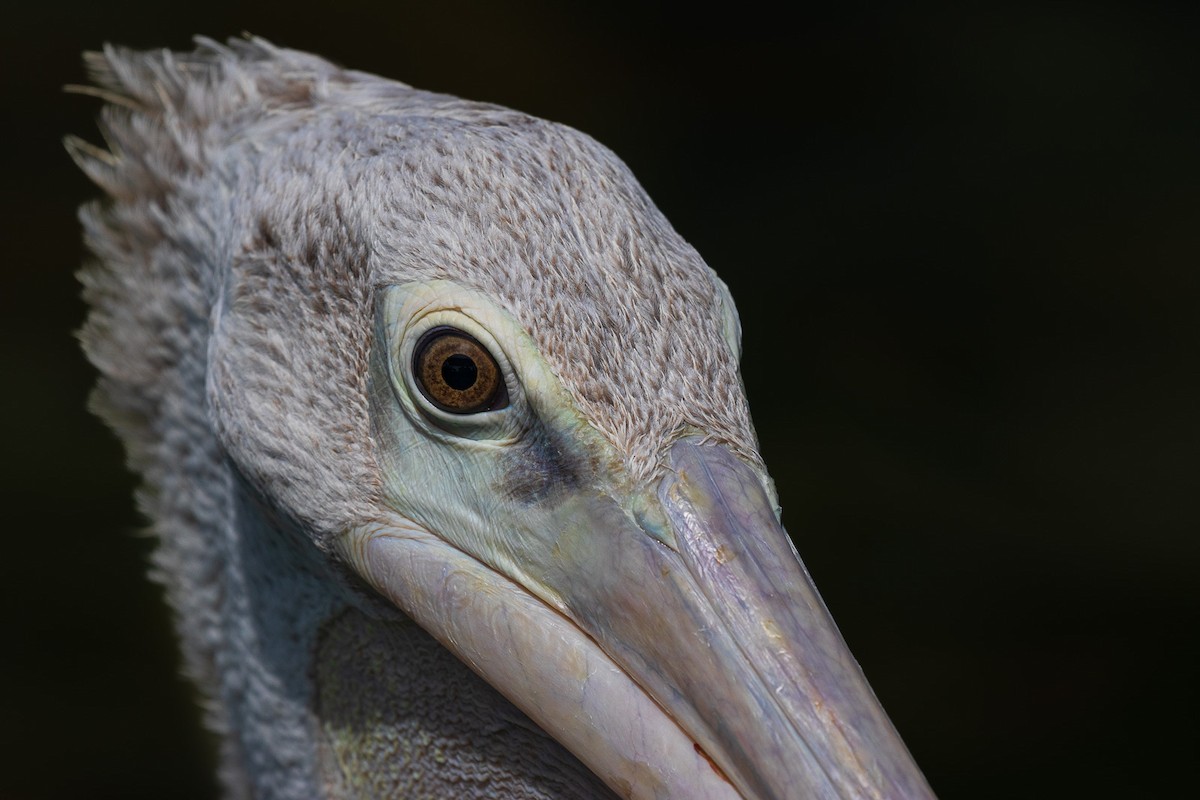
x: 258, y: 197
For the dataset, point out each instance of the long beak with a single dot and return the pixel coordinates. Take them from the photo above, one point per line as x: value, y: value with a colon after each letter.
x: 711, y: 669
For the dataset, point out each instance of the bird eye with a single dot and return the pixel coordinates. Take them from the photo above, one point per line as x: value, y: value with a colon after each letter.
x: 457, y: 374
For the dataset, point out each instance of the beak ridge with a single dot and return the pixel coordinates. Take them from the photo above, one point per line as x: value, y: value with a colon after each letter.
x: 744, y: 563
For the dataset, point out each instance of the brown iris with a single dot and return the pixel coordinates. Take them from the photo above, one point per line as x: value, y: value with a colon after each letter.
x: 457, y: 374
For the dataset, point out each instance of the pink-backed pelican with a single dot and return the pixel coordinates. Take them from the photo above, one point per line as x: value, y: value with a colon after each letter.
x: 442, y: 433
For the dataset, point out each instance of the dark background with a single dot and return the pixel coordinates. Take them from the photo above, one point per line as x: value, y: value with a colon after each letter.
x: 964, y: 247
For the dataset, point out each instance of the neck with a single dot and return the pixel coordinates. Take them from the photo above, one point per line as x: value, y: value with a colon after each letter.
x: 277, y: 593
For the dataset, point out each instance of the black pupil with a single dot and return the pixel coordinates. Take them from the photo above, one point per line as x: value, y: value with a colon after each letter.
x: 459, y: 372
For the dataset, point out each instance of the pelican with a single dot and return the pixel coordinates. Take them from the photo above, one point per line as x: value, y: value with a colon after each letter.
x: 441, y: 430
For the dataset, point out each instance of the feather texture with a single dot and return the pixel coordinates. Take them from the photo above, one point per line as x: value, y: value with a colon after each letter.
x: 257, y: 200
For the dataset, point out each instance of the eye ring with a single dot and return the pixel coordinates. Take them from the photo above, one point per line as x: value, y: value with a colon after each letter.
x: 456, y: 373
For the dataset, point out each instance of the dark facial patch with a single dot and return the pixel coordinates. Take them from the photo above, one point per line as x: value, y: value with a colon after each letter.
x: 542, y: 466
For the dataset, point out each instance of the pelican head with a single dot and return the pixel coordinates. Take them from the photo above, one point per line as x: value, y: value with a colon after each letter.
x: 415, y: 383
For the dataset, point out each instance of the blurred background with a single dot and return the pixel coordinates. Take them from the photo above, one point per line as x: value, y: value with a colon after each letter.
x: 964, y: 246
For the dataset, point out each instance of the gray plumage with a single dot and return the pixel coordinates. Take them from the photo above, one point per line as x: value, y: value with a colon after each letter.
x: 257, y: 199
